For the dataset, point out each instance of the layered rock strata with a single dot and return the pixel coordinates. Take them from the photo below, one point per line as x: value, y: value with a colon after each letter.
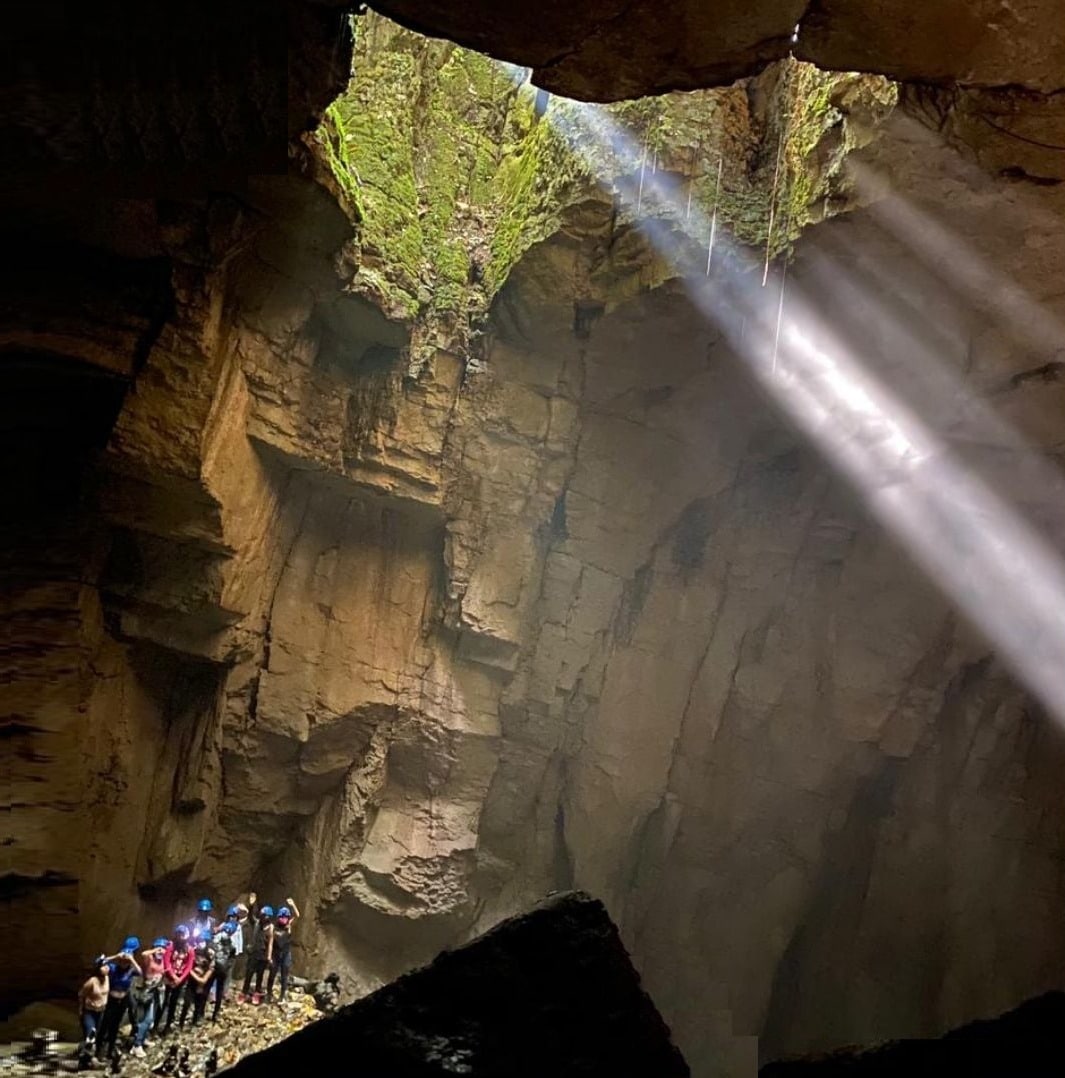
x: 320, y: 591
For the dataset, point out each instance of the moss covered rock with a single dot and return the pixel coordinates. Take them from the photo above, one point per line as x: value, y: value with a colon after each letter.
x: 456, y: 168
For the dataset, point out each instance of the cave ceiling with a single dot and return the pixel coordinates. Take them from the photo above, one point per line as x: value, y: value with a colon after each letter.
x: 606, y: 50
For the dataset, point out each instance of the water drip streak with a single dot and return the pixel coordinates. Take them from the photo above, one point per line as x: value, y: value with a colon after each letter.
x: 691, y: 179
x: 780, y: 315
x: 643, y: 169
x: 713, y: 219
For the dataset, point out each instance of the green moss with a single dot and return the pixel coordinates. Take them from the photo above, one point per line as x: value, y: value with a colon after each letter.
x: 453, y: 178
x: 333, y: 139
x: 534, y: 185
x: 416, y: 141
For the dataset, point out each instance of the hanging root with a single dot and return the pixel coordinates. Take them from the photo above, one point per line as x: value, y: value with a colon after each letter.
x: 785, y: 132
x: 772, y: 210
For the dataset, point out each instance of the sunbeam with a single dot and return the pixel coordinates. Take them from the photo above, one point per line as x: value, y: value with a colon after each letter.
x: 973, y: 542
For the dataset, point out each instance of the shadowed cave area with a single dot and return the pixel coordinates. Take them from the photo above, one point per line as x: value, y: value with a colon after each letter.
x: 460, y: 455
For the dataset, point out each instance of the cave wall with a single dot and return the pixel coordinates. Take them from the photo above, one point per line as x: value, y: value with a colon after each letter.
x: 562, y: 603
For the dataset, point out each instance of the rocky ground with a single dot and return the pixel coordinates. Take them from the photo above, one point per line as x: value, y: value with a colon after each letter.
x: 241, y: 1030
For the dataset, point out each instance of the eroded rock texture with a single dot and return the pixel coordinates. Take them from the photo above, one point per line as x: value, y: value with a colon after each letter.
x: 565, y: 602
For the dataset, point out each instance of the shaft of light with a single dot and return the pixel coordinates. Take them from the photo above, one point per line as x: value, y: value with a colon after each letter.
x: 974, y: 545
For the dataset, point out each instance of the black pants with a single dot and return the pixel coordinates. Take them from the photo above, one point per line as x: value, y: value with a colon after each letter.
x: 283, y: 967
x: 221, y: 983
x: 107, y: 1032
x: 256, y: 968
x: 174, y: 995
x: 196, y: 1001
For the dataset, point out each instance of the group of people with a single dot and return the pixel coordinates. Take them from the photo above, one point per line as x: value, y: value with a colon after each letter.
x: 179, y: 975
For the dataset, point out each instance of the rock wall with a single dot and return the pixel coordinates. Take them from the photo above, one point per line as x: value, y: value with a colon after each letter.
x: 563, y: 603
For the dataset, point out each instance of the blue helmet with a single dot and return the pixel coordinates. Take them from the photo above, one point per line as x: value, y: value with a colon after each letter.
x: 284, y: 912
x: 227, y: 928
x: 181, y: 932
x: 205, y: 905
x: 266, y: 911
x: 232, y: 912
x: 131, y: 944
x: 162, y: 941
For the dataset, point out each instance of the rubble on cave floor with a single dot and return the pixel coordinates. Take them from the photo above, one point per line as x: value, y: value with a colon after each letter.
x: 241, y: 1030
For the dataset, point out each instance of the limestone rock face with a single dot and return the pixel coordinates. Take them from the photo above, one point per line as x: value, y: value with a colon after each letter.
x: 566, y: 602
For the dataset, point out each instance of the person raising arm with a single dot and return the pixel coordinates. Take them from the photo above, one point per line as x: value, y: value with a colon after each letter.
x: 281, y: 953
x: 122, y: 968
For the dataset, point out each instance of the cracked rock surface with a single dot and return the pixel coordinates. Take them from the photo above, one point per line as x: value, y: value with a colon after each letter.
x: 579, y: 610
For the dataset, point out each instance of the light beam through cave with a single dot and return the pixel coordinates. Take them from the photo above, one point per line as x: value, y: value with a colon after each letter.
x: 973, y: 542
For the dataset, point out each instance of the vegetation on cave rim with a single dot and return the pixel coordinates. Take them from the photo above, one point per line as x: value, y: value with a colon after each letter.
x: 454, y: 178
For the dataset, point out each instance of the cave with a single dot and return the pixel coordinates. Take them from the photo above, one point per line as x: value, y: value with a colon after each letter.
x: 463, y: 453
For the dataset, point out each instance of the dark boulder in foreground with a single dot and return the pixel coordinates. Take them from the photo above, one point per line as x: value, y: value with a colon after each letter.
x: 549, y: 993
x: 1028, y: 1042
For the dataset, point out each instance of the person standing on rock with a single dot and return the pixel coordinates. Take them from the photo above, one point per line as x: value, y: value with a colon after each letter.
x: 92, y: 1000
x: 224, y: 956
x: 245, y: 922
x: 203, y: 924
x: 121, y: 968
x: 147, y: 993
x: 198, y: 985
x: 281, y: 959
x: 236, y: 929
x: 177, y: 965
x: 260, y: 952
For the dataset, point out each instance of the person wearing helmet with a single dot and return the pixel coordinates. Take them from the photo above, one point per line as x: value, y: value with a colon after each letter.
x: 122, y: 968
x: 260, y: 952
x: 177, y: 965
x: 92, y: 1000
x: 198, y: 985
x: 282, y: 950
x: 235, y: 931
x: 203, y: 924
x: 224, y: 957
x: 147, y: 993
x: 246, y: 912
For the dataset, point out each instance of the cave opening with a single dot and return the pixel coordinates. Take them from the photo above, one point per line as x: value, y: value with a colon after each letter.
x: 593, y: 463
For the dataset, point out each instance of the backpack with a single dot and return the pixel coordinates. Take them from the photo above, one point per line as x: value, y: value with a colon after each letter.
x: 142, y: 993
